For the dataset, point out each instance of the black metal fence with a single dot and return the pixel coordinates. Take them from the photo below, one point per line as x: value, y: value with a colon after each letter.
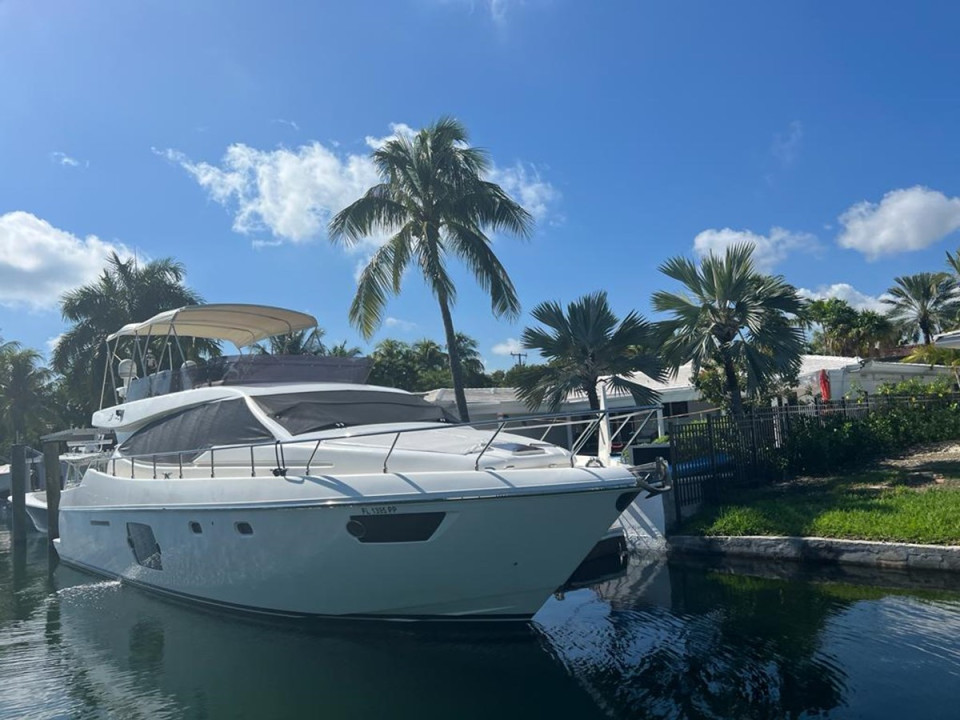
x: 715, y: 453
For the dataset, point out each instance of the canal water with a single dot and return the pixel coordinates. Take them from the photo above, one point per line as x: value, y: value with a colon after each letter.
x: 664, y: 640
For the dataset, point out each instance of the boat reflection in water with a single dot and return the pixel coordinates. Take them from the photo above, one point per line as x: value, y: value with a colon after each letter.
x: 128, y: 651
x: 663, y: 640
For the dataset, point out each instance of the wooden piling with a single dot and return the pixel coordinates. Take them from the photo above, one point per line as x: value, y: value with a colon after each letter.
x: 18, y: 493
x: 51, y: 465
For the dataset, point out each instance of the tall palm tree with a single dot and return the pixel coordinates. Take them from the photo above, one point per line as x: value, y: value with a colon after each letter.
x: 434, y: 203
x: 582, y: 345
x: 923, y: 304
x: 25, y: 391
x: 126, y: 291
x: 733, y: 316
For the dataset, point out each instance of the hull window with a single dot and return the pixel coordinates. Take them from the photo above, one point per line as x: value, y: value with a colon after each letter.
x: 195, y: 528
x: 405, y: 527
x: 244, y: 528
x: 144, y: 545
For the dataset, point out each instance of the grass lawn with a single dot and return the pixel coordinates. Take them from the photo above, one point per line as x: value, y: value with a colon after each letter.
x: 885, y: 504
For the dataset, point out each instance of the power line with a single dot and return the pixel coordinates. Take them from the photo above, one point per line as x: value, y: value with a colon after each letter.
x: 519, y: 356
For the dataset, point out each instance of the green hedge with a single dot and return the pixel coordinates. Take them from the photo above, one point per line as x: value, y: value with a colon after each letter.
x: 822, y: 445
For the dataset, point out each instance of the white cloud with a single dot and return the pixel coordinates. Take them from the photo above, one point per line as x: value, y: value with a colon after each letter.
x: 401, y: 325
x: 845, y: 291
x: 508, y: 346
x: 288, y: 123
x: 497, y: 8
x: 64, y: 159
x: 904, y: 220
x: 769, y: 250
x: 786, y: 146
x: 396, y: 130
x: 51, y: 343
x: 523, y: 183
x: 38, y: 262
x: 292, y: 194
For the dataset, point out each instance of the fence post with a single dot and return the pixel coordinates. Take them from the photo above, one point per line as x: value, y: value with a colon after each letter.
x: 51, y: 465
x: 714, y: 480
x: 753, y: 447
x: 18, y: 493
x: 677, y: 503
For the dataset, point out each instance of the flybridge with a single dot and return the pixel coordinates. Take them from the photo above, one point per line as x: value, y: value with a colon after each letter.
x: 159, y: 364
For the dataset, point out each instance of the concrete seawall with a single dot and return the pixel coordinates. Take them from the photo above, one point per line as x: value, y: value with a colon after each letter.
x: 823, y: 550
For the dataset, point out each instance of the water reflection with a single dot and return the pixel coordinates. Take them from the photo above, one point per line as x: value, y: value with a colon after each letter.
x: 667, y: 640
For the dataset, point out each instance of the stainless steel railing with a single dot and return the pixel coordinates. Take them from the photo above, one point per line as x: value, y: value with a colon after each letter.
x: 579, y: 430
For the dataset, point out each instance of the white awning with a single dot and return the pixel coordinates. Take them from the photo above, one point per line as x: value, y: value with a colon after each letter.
x: 948, y: 340
x: 240, y: 324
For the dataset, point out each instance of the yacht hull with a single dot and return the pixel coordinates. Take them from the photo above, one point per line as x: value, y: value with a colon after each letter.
x: 470, y: 557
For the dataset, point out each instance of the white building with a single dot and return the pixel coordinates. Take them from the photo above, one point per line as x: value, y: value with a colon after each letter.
x: 849, y: 377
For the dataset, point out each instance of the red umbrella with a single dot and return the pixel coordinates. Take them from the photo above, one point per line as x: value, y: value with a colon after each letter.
x: 824, y: 386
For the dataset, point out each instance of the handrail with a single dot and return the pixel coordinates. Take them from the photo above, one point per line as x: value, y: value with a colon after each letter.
x: 476, y: 465
x: 525, y: 423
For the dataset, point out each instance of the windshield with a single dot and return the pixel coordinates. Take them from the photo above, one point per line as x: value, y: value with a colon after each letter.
x: 300, y: 413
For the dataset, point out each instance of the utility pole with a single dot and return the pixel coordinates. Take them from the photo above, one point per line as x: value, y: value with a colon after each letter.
x: 519, y: 356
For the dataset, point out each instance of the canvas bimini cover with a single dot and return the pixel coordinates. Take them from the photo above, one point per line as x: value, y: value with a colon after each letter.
x: 241, y: 324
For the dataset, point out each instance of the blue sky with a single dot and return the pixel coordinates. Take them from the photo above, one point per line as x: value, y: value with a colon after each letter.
x: 224, y: 134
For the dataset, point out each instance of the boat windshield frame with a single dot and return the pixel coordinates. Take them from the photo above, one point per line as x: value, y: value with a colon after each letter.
x: 248, y: 324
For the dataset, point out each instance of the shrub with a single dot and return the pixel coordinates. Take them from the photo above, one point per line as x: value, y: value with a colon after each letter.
x: 825, y: 444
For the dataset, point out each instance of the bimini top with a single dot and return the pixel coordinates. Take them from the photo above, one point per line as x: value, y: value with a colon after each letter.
x: 948, y: 340
x: 241, y: 324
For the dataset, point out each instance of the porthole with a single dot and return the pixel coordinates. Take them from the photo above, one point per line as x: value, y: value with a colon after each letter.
x: 196, y: 528
x: 244, y: 528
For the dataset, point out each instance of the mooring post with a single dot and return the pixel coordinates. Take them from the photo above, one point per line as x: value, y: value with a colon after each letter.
x: 18, y: 493
x: 51, y: 466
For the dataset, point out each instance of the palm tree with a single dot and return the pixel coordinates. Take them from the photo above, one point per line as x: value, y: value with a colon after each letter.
x: 582, y: 345
x: 25, y: 389
x: 837, y: 319
x: 875, y: 333
x: 433, y: 202
x: 342, y: 350
x: 732, y: 316
x: 429, y: 355
x: 394, y: 365
x: 923, y: 304
x: 470, y: 359
x: 302, y: 342
x: 125, y: 292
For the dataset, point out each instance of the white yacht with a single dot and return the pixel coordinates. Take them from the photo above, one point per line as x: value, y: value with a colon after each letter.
x: 283, y: 485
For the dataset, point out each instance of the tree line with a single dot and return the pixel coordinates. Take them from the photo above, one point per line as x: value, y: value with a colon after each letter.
x: 743, y: 331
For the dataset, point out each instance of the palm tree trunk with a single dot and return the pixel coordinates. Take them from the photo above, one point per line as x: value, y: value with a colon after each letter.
x: 592, y: 397
x: 453, y: 354
x: 733, y: 384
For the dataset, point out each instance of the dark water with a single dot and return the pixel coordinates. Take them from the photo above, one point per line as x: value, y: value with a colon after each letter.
x: 663, y: 641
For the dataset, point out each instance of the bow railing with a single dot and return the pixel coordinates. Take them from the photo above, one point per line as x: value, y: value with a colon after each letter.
x: 575, y: 433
